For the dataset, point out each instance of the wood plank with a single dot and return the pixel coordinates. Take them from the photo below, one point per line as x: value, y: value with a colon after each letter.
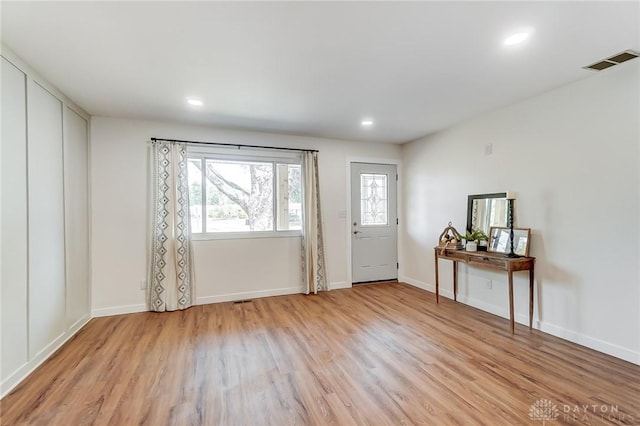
x: 377, y: 354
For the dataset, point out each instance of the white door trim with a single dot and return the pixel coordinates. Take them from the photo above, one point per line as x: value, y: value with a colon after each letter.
x: 390, y: 161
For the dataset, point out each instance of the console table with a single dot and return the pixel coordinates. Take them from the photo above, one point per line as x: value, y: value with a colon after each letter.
x: 489, y: 260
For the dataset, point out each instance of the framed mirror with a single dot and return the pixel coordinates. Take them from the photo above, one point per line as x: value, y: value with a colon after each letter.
x: 499, y: 240
x: 486, y: 210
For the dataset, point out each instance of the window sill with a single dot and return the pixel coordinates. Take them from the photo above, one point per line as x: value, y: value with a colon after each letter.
x: 245, y: 235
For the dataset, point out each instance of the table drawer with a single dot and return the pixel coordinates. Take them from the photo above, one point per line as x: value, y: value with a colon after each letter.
x: 489, y: 262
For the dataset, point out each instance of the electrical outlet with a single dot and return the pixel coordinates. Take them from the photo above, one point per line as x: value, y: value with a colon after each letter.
x: 488, y: 149
x: 143, y: 285
x: 489, y: 284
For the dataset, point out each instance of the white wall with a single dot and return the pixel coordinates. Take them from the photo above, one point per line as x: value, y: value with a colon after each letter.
x: 572, y: 156
x: 225, y: 270
x: 45, y: 240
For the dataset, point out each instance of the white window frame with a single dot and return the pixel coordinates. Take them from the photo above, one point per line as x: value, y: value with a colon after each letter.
x: 235, y: 154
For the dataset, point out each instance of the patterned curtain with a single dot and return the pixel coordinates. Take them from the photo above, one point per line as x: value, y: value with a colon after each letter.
x: 170, y: 274
x: 313, y: 264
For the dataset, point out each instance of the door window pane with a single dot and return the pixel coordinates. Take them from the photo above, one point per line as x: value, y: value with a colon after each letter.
x: 373, y: 199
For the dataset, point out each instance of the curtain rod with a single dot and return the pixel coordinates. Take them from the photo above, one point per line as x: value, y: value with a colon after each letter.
x: 237, y: 145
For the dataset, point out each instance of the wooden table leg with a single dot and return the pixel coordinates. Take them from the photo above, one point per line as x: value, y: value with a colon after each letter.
x: 437, y: 285
x: 530, y: 298
x: 513, y: 325
x: 455, y: 281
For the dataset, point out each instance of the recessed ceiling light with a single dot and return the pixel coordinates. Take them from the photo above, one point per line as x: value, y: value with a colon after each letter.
x: 367, y: 122
x: 195, y: 102
x: 517, y: 38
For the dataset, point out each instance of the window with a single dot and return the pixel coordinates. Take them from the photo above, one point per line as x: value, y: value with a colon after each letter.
x: 373, y: 199
x: 244, y: 195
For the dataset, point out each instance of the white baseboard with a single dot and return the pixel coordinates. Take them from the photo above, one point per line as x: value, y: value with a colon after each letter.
x: 555, y: 330
x: 339, y: 285
x: 499, y: 311
x: 118, y: 310
x: 205, y: 300
x: 27, y: 368
x: 591, y: 342
x: 426, y: 286
x: 80, y: 323
x: 416, y: 283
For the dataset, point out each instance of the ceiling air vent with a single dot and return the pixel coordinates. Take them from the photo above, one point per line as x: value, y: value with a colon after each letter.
x: 614, y: 60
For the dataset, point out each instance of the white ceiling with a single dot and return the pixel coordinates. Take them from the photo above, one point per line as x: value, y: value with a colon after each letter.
x: 313, y: 68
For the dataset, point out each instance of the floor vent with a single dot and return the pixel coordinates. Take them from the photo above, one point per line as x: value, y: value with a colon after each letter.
x: 236, y: 302
x: 612, y: 61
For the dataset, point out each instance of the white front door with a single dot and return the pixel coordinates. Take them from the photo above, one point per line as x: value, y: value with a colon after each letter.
x: 374, y: 222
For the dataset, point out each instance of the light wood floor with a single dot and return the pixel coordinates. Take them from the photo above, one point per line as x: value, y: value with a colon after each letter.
x: 378, y: 354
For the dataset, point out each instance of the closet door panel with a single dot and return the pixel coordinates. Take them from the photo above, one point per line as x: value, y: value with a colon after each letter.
x: 76, y: 211
x: 13, y: 294
x: 46, y: 220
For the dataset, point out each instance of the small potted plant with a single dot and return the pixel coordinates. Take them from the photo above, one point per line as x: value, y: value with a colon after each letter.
x: 473, y: 239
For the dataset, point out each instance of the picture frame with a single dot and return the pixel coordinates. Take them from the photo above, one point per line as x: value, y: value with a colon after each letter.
x: 499, y: 240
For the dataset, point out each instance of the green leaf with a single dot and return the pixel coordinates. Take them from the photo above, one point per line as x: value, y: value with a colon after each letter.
x: 476, y: 235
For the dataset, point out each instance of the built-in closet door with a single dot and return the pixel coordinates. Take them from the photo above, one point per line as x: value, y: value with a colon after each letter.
x: 76, y: 186
x: 13, y: 295
x: 47, y: 301
x: 45, y: 288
